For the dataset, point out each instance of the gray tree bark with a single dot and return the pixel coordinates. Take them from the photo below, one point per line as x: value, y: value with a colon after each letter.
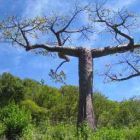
x: 85, y: 108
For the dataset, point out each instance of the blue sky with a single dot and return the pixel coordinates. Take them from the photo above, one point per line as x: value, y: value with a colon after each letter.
x: 28, y: 65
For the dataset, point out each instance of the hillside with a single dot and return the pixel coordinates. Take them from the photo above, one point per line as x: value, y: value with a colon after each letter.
x: 32, y: 110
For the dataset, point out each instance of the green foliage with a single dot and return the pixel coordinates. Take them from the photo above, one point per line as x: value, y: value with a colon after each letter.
x: 11, y: 89
x: 61, y: 104
x: 31, y: 88
x: 32, y: 110
x: 105, y: 110
x: 129, y: 113
x: 30, y: 133
x: 64, y: 131
x: 38, y: 113
x: 47, y: 97
x: 2, y: 129
x: 15, y: 120
x: 66, y: 109
x: 132, y: 134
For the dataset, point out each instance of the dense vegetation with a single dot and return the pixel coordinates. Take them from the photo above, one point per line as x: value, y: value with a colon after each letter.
x: 32, y: 110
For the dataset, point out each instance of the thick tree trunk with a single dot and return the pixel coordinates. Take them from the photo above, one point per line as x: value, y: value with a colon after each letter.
x: 85, y: 108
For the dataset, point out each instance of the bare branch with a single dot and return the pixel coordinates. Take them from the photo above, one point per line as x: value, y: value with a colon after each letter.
x: 24, y: 36
x: 88, y: 29
x: 130, y: 69
x: 133, y: 67
x: 103, y: 16
x: 77, y: 11
x: 64, y: 50
x: 60, y: 65
x: 58, y: 77
x: 114, y: 78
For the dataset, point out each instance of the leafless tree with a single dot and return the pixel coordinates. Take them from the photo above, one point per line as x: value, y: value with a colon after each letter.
x: 119, y: 23
x: 58, y: 31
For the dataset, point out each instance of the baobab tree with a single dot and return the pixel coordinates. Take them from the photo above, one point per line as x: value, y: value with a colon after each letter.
x: 59, y: 31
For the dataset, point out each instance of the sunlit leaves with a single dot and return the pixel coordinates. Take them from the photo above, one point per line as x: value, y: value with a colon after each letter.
x: 15, y: 29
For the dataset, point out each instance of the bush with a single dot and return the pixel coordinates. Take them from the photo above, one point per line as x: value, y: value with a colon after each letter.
x: 64, y: 131
x: 15, y: 120
x: 132, y: 134
x: 11, y: 89
x: 2, y: 129
x: 38, y: 113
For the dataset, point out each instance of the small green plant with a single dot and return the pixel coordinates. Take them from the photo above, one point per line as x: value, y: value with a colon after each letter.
x: 15, y: 120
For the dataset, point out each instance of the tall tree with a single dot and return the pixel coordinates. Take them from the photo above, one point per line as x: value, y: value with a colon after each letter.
x: 59, y: 31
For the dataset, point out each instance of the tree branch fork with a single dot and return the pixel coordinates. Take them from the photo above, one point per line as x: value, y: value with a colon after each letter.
x: 75, y: 51
x: 18, y: 31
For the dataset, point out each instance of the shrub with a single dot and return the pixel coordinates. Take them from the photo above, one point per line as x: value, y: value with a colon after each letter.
x: 38, y: 113
x: 15, y: 120
x: 132, y: 134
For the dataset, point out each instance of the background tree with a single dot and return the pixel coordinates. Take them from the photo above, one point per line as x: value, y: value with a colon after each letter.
x: 59, y: 31
x: 11, y: 89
